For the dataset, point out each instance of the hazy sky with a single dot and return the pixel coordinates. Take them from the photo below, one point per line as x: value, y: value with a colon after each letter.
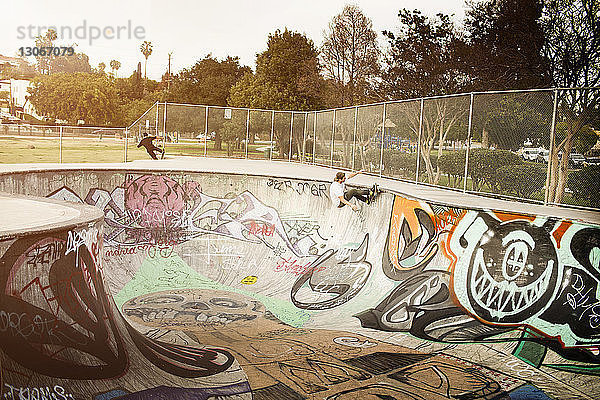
x: 189, y: 29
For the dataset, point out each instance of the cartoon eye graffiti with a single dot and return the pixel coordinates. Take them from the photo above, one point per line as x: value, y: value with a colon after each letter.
x: 514, y: 261
x: 513, y: 269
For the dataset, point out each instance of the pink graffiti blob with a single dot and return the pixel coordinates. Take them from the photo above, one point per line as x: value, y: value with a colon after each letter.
x: 157, y: 200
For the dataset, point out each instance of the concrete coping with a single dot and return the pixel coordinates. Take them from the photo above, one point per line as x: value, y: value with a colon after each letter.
x: 283, y: 169
x: 27, y: 215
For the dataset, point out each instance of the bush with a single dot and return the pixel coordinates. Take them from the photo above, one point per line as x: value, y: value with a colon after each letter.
x: 522, y: 180
x: 484, y: 165
x: 584, y: 184
x: 453, y: 165
x: 398, y: 163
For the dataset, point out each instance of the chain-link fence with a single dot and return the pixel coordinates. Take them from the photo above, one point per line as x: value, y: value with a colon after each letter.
x: 538, y: 145
x: 28, y: 143
x: 497, y: 143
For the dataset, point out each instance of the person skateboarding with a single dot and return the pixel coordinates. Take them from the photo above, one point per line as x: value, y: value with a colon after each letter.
x: 146, y: 142
x: 340, y: 197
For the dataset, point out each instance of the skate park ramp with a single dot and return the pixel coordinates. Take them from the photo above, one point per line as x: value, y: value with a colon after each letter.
x: 172, y: 280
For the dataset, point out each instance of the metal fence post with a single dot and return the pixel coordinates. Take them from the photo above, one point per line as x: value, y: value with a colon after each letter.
x: 552, y: 131
x: 156, y: 120
x: 419, y: 143
x: 332, y: 139
x: 468, y: 143
x: 382, y: 140
x: 272, y: 129
x: 125, y: 152
x: 165, y: 128
x: 60, y: 136
x: 247, y: 131
x: 354, y: 136
x: 314, y: 138
x: 304, y: 138
x: 291, y: 137
x: 205, y: 129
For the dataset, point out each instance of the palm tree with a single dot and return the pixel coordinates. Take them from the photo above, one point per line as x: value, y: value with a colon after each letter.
x: 115, y: 65
x: 101, y: 67
x: 146, y: 49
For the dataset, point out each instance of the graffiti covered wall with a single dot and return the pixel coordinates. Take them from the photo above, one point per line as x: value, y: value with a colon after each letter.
x: 295, y: 300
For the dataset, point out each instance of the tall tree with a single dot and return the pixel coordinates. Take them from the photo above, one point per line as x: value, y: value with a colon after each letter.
x: 146, y: 49
x: 207, y: 82
x: 49, y: 63
x: 131, y: 88
x: 78, y: 62
x: 506, y: 40
x: 287, y: 75
x: 350, y: 55
x: 573, y: 47
x: 423, y: 58
x: 73, y: 97
x: 287, y: 78
x: 114, y: 66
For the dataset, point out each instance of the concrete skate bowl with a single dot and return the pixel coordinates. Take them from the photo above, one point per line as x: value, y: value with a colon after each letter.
x: 227, y: 286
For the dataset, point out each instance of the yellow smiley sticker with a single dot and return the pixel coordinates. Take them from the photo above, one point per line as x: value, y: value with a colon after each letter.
x: 249, y: 280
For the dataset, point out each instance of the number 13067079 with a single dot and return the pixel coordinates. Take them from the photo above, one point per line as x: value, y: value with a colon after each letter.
x: 46, y: 51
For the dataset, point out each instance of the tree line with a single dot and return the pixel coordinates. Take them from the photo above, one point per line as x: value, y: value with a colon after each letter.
x: 502, y: 44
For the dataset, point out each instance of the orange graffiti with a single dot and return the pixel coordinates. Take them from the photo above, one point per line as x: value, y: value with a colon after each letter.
x: 504, y: 217
x: 400, y: 205
x: 560, y: 231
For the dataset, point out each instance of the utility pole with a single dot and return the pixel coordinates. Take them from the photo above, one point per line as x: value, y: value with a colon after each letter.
x: 169, y: 73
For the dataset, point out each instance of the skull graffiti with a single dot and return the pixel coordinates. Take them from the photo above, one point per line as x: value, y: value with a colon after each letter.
x: 208, y: 309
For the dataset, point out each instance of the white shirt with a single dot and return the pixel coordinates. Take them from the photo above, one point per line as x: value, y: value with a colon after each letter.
x: 335, y: 191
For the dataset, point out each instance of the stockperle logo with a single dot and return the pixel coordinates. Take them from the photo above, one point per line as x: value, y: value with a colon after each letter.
x: 84, y: 31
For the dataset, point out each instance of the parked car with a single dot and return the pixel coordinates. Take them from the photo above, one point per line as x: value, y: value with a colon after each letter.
x: 202, y: 136
x: 576, y: 160
x: 592, y: 161
x: 530, y: 153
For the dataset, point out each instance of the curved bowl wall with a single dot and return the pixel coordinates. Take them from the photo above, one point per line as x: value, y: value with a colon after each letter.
x: 201, y: 285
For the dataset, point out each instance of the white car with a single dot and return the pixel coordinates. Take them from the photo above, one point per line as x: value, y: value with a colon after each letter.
x: 530, y: 153
x: 576, y: 160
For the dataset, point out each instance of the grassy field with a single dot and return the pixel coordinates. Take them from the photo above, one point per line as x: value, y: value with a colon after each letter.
x: 23, y: 150
x: 46, y: 150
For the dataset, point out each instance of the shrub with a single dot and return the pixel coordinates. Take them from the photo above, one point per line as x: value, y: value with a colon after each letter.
x: 399, y: 163
x: 584, y: 184
x: 484, y: 165
x: 522, y: 180
x: 453, y: 165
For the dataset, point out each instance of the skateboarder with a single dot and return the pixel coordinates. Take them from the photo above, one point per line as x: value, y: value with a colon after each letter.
x: 340, y: 197
x: 146, y: 142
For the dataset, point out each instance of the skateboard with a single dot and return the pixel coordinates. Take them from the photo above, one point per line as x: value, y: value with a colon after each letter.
x: 373, y: 193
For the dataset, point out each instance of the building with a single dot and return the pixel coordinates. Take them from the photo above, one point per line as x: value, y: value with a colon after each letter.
x: 13, y: 87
